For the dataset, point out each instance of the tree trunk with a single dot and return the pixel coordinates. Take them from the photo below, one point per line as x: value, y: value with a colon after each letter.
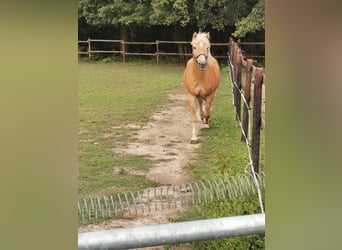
x: 124, y: 32
x: 181, y: 47
x: 124, y: 35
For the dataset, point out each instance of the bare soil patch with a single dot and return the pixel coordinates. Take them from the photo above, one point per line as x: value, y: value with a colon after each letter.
x: 166, y: 139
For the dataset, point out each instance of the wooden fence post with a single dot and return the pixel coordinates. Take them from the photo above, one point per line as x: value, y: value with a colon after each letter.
x: 231, y: 48
x: 123, y: 51
x: 238, y: 83
x: 234, y: 72
x: 157, y: 51
x: 237, y: 80
x: 247, y: 94
x: 89, y: 48
x: 258, y: 81
x: 230, y: 59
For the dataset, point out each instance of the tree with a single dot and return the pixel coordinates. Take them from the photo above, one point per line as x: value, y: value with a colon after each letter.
x: 169, y: 12
x: 116, y: 12
x: 172, y: 13
x: 179, y: 17
x: 122, y: 13
x: 255, y: 21
x: 218, y: 14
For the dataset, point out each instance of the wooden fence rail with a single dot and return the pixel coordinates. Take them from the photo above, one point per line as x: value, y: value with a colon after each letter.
x: 236, y: 64
x: 123, y: 51
x: 243, y: 91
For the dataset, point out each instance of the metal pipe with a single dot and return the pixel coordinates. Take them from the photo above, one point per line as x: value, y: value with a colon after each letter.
x: 172, y: 233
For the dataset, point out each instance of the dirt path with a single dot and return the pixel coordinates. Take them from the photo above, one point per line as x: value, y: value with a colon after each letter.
x: 166, y: 139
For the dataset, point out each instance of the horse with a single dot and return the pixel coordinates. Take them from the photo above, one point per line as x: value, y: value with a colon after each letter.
x: 201, y: 79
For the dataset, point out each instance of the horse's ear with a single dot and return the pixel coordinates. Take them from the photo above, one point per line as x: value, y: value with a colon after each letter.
x: 194, y: 35
x: 208, y: 35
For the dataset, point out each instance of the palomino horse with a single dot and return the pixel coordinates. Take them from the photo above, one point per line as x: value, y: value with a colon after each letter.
x: 201, y: 79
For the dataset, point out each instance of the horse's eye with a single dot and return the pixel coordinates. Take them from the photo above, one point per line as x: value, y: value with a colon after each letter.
x: 194, y: 47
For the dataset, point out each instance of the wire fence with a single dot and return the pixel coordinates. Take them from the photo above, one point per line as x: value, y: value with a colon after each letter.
x: 126, y: 204
x: 236, y: 62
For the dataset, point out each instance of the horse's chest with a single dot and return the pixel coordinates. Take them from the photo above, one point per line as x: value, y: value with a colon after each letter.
x: 200, y: 83
x: 200, y: 90
x: 204, y: 86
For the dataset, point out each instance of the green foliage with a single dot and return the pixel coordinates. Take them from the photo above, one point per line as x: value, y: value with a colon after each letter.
x: 111, y: 59
x: 219, y: 14
x: 255, y: 21
x: 204, y: 14
x: 117, y: 12
x: 167, y: 12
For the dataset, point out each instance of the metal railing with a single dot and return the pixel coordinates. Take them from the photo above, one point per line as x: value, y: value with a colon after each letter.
x: 173, y: 233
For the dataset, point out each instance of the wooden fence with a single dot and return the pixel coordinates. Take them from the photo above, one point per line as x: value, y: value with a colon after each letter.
x: 121, y: 48
x: 243, y: 91
x: 236, y: 63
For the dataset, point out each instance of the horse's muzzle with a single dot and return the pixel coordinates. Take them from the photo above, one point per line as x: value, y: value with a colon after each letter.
x: 202, y: 66
x: 201, y: 61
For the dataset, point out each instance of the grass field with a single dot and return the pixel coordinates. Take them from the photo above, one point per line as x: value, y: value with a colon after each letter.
x: 113, y: 95
x: 110, y: 97
x: 223, y: 154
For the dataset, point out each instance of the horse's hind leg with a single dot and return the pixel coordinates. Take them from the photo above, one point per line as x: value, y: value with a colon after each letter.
x: 191, y: 100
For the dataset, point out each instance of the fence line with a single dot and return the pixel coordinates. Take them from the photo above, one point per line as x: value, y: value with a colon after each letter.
x: 94, y: 209
x: 181, y: 232
x: 173, y: 233
x: 236, y: 62
x: 121, y: 44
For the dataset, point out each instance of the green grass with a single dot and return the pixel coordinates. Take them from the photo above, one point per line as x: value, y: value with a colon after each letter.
x: 223, y: 154
x: 112, y: 95
x: 222, y: 150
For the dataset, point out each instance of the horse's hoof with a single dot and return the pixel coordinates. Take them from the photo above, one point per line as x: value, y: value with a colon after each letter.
x: 194, y: 141
x: 205, y: 121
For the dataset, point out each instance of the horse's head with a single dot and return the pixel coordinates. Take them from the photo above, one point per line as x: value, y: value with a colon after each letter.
x: 201, y: 48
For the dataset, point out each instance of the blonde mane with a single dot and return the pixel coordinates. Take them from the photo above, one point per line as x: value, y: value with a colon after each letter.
x: 202, y: 37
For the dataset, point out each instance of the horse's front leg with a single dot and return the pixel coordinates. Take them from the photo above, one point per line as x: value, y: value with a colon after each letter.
x: 191, y: 100
x: 200, y: 102
x: 207, y: 111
